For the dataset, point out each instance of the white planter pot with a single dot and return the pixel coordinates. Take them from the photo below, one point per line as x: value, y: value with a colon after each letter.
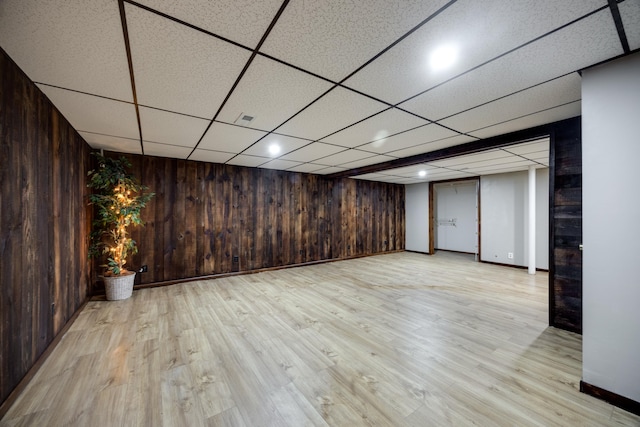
x: 119, y: 287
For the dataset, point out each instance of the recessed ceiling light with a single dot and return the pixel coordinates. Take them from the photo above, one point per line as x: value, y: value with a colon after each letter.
x: 443, y: 57
x: 274, y: 149
x: 422, y: 174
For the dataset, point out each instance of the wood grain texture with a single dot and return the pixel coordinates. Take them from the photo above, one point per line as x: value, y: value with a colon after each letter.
x: 399, y: 339
x: 204, y: 215
x: 565, y: 278
x: 44, y: 271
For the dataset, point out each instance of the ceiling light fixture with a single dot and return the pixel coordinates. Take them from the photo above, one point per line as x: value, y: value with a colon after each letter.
x: 274, y: 149
x: 422, y: 174
x: 443, y: 57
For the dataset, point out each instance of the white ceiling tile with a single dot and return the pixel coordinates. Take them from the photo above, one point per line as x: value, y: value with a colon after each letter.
x: 286, y: 144
x: 243, y: 21
x: 67, y: 44
x: 312, y: 152
x: 377, y: 129
x: 548, y: 95
x: 169, y: 128
x: 433, y: 146
x: 94, y: 114
x: 365, y: 162
x: 180, y: 69
x: 371, y: 176
x: 229, y: 138
x: 586, y: 42
x: 630, y: 13
x: 470, y: 158
x: 280, y: 164
x: 334, y: 111
x: 329, y: 170
x: 307, y: 168
x: 165, y: 150
x: 271, y: 92
x: 408, y: 171
x: 345, y: 156
x: 421, y: 135
x: 112, y: 143
x: 333, y: 38
x: 543, y: 117
x: 492, y: 164
x: 480, y: 30
x: 248, y: 161
x: 529, y: 147
x: 210, y: 156
x: 504, y: 170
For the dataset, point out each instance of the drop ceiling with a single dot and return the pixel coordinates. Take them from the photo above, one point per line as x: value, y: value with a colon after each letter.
x: 337, y: 84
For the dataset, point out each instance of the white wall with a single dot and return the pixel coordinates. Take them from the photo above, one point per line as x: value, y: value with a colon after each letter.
x: 456, y: 201
x: 504, y: 204
x: 611, y: 226
x: 417, y: 217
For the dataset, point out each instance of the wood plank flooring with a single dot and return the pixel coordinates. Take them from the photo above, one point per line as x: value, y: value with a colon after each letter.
x: 401, y: 339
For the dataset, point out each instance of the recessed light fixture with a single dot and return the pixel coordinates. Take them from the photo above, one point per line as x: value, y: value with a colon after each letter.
x: 274, y: 149
x: 443, y: 57
x: 422, y: 174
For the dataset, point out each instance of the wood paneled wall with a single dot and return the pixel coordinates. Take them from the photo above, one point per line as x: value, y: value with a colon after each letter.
x: 44, y: 271
x: 565, y: 266
x: 206, y: 214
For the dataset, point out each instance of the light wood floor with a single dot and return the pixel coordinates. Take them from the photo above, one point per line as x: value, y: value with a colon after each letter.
x: 392, y: 340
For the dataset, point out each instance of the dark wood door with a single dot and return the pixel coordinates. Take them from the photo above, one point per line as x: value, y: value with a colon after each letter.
x: 565, y: 226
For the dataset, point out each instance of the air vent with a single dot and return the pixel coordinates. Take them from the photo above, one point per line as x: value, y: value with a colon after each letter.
x: 244, y: 119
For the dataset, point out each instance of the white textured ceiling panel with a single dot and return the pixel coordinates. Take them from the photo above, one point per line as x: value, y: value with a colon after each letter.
x: 330, y: 170
x: 480, y: 165
x: 180, y: 69
x: 408, y: 139
x: 411, y: 171
x: 169, y: 128
x: 630, y: 13
x: 499, y: 30
x: 368, y: 161
x: 210, y: 156
x: 68, y: 44
x: 512, y: 164
x: 456, y: 162
x: 280, y: 164
x: 332, y: 38
x: 112, y: 143
x: 377, y: 129
x: 528, y: 148
x: 432, y: 146
x: 346, y: 156
x: 243, y: 21
x: 334, y: 111
x: 271, y: 93
x: 538, y: 98
x: 372, y: 177
x: 307, y: 168
x: 588, y: 41
x: 285, y: 143
x: 229, y: 138
x: 95, y: 114
x: 248, y: 161
x: 312, y: 152
x: 164, y: 150
x: 536, y: 119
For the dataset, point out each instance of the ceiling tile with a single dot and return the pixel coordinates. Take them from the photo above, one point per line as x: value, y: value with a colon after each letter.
x: 409, y: 171
x: 169, y: 128
x: 112, y: 143
x: 433, y: 146
x: 630, y: 13
x: 376, y: 129
x: 312, y: 152
x: 480, y: 31
x: 180, y: 69
x: 307, y: 168
x: 586, y: 42
x: 470, y: 158
x: 365, y: 162
x: 94, y: 114
x: 165, y: 150
x: 248, y: 161
x: 330, y: 170
x: 529, y: 147
x: 421, y: 135
x: 548, y: 116
x: 280, y: 164
x: 243, y: 21
x: 333, y: 38
x: 345, y: 156
x: 271, y: 92
x: 67, y: 44
x: 489, y: 164
x: 210, y: 156
x: 334, y: 111
x: 286, y: 144
x: 504, y: 170
x: 229, y: 138
x: 372, y: 177
x: 548, y: 95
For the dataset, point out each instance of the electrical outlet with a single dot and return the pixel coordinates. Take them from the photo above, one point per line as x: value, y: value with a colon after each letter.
x: 510, y: 255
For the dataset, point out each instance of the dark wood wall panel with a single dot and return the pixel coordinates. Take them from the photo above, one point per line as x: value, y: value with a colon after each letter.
x: 565, y: 267
x: 209, y: 219
x: 44, y: 271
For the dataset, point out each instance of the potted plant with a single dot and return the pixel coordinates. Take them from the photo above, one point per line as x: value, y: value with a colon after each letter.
x: 119, y: 199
